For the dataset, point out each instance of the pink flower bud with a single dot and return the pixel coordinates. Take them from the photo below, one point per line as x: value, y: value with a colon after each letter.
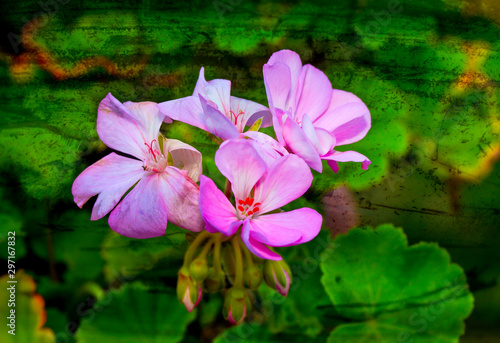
x: 278, y: 276
x: 235, y: 305
x: 188, y: 291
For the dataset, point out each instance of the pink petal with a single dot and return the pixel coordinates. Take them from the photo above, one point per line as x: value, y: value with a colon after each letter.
x: 349, y: 122
x: 127, y: 128
x: 187, y: 110
x: 287, y: 179
x: 181, y: 195
x: 347, y: 156
x: 142, y: 213
x: 292, y: 60
x: 149, y: 114
x: 257, y: 248
x: 217, y: 123
x: 278, y: 118
x: 310, y: 131
x: 273, y: 233
x: 184, y: 157
x: 353, y: 130
x: 269, y: 149
x: 217, y: 92
x: 340, y: 98
x: 252, y: 111
x: 110, y: 177
x: 216, y: 209
x: 300, y: 145
x: 239, y: 161
x: 314, y: 92
x: 287, y: 228
x: 326, y: 140
x: 277, y: 79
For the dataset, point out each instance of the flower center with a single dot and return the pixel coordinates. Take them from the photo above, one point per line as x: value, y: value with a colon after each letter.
x: 247, y: 206
x: 155, y: 161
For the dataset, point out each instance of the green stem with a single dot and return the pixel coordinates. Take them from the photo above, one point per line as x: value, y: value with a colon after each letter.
x: 239, y: 262
x: 206, y: 248
x: 191, y: 251
x: 216, y: 257
x: 248, y: 256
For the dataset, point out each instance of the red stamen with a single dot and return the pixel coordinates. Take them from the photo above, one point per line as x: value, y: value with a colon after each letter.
x: 151, y: 150
x: 255, y: 209
x: 249, y: 213
x: 257, y: 204
x: 241, y: 202
x: 240, y: 112
x: 241, y: 208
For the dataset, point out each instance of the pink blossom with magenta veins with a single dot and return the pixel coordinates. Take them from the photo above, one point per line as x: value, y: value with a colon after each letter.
x: 259, y: 188
x: 309, y: 117
x: 164, y: 176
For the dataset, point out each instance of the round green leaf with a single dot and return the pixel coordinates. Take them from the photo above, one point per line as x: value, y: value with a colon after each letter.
x: 388, y: 291
x: 134, y: 314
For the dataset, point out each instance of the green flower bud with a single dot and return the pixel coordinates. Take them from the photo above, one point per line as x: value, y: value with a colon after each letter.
x: 188, y: 290
x: 253, y: 277
x: 278, y: 276
x: 198, y: 269
x: 215, y: 281
x: 236, y: 304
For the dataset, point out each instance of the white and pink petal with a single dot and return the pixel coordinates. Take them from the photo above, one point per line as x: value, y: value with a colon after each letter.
x: 121, y: 129
x: 187, y: 110
x: 216, y: 92
x: 246, y: 113
x: 184, y: 157
x: 181, y: 194
x: 110, y: 177
x: 143, y: 212
x: 216, y: 122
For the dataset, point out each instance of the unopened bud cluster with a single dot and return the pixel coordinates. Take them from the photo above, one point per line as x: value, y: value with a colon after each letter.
x: 216, y: 263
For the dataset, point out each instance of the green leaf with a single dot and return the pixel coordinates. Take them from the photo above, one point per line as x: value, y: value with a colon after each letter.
x: 388, y: 291
x: 134, y: 314
x: 256, y: 333
x: 424, y: 205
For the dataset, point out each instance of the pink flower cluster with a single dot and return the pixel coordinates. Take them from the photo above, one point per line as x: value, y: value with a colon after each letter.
x: 161, y: 175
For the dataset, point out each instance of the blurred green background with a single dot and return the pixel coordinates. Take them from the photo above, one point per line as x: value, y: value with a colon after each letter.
x: 427, y: 70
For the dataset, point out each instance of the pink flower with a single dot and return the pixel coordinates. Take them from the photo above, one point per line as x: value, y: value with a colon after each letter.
x: 211, y: 108
x: 310, y: 117
x: 163, y: 171
x: 259, y: 188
